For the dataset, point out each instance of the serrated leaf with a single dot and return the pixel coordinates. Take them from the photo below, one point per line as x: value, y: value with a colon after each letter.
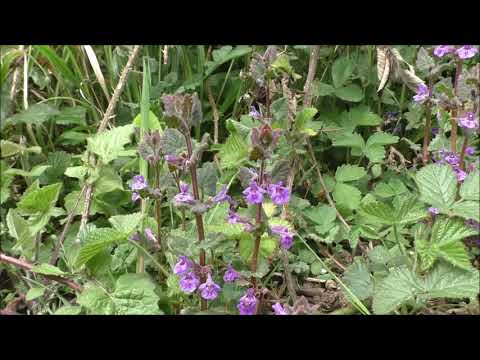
x: 74, y: 115
x: 347, y: 195
x: 393, y: 188
x: 207, y: 178
x: 379, y: 255
x: 342, y: 69
x: 126, y: 224
x: 322, y: 89
x: 96, y: 300
x: 362, y: 116
x: 47, y: 269
x: 321, y: 214
x: 40, y: 200
x: 381, y: 138
x: 446, y: 281
x: 233, y: 153
x: 35, y: 114
x: 358, y: 278
x: 351, y: 92
x: 108, y: 180
x: 304, y: 116
x: 467, y: 210
x: 437, y: 185
x: 399, y: 286
x: 36, y: 171
x: 68, y: 310
x: 96, y: 241
x: 108, y: 144
x: 353, y: 140
x: 377, y: 213
x: 135, y: 295
x: 348, y: 172
x: 470, y: 189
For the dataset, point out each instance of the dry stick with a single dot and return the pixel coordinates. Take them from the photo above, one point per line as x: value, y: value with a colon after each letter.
x: 61, y: 239
x: 453, y: 120
x: 16, y: 76
x: 288, y: 275
x: 103, y: 124
x: 27, y: 266
x: 324, y: 187
x: 312, y: 69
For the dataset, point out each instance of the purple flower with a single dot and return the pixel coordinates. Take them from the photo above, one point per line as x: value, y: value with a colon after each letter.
x: 450, y: 157
x: 135, y: 237
x: 138, y: 183
x: 150, y: 235
x: 433, y: 210
x: 253, y: 193
x: 422, y: 94
x: 254, y: 113
x: 286, y: 237
x: 135, y: 196
x: 230, y: 275
x: 474, y: 224
x: 443, y: 50
x: 278, y: 309
x: 182, y: 266
x: 278, y: 193
x: 221, y: 196
x: 209, y: 290
x: 170, y: 158
x: 184, y: 197
x: 248, y: 303
x: 468, y: 121
x: 189, y: 282
x: 461, y: 175
x: 470, y: 151
x: 234, y: 218
x: 434, y: 131
x: 466, y: 51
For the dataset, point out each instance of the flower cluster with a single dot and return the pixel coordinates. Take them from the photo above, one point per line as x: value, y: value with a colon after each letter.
x: 452, y: 159
x: 463, y: 52
x: 286, y: 237
x: 468, y: 121
x: 422, y: 94
x: 184, y: 197
x: 279, y: 194
x: 248, y: 303
x: 138, y: 183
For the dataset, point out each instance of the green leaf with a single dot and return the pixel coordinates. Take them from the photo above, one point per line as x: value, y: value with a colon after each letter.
x: 347, y: 195
x: 400, y: 286
x: 207, y: 178
x: 347, y: 173
x: 470, y: 189
x: 36, y: 171
x: 126, y: 224
x: 446, y: 281
x: 346, y: 139
x: 9, y: 148
x: 96, y: 300
x: 247, y: 242
x: 72, y: 116
x: 322, y: 89
x: 233, y: 153
x: 377, y: 213
x: 321, y: 214
x: 152, y: 123
x: 69, y: 310
x: 381, y: 138
x: 34, y: 293
x: 342, y: 69
x: 437, y: 185
x: 362, y: 116
x: 47, y: 269
x: 97, y: 241
x: 108, y: 180
x: 304, y: 116
x: 58, y: 162
x: 135, y: 295
x: 109, y: 144
x: 394, y: 187
x: 358, y: 278
x: 77, y: 172
x: 351, y: 92
x: 40, y: 200
x: 173, y: 142
x: 35, y: 114
x: 224, y: 54
x: 467, y: 210
x: 379, y: 255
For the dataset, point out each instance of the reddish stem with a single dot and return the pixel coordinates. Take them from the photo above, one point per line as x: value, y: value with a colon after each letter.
x: 453, y: 120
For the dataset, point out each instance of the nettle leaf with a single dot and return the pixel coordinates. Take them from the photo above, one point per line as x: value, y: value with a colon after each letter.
x: 47, y: 269
x: 126, y: 224
x: 74, y: 115
x: 96, y: 241
x: 470, y: 189
x: 109, y: 144
x: 35, y: 114
x: 233, y: 153
x: 362, y: 116
x: 96, y: 301
x: 135, y: 295
x: 466, y: 210
x: 40, y: 200
x: 351, y: 92
x: 445, y: 243
x: 394, y: 187
x: 446, y: 281
x: 347, y: 195
x: 321, y: 214
x: 375, y: 150
x: 342, y: 69
x: 108, y: 180
x: 377, y: 213
x: 437, y: 185
x: 153, y: 123
x: 358, y: 278
x: 347, y: 173
x: 400, y: 286
x: 345, y: 139
x: 409, y: 210
x: 58, y: 162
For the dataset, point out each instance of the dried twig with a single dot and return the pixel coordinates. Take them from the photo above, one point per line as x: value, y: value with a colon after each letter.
x: 27, y: 266
x: 103, y: 124
x: 312, y: 69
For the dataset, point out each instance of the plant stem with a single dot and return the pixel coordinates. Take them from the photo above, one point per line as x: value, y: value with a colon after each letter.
x: 453, y: 119
x: 426, y: 134
x: 312, y: 69
x: 158, y: 204
x: 258, y: 221
x: 198, y: 217
x: 462, y: 152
